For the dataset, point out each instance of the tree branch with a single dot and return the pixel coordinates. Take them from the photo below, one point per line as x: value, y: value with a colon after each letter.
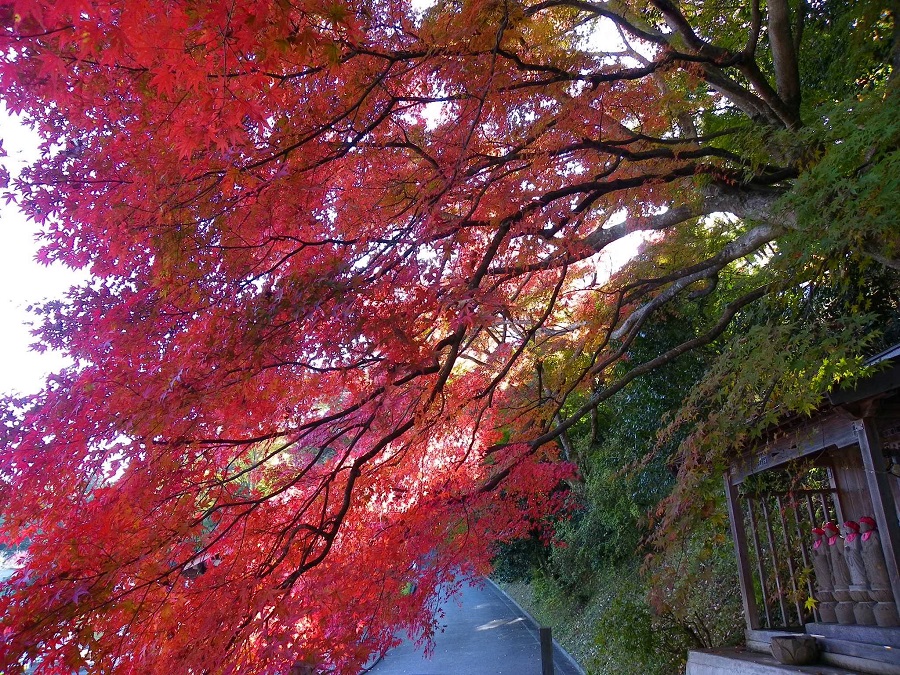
x: 740, y: 247
x: 784, y: 56
x: 728, y: 314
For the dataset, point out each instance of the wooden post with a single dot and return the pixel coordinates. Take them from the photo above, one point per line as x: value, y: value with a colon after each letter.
x: 882, y: 499
x: 546, y: 650
x: 745, y: 576
x: 835, y: 498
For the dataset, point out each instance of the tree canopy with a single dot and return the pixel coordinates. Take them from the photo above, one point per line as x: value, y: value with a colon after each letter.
x: 346, y: 290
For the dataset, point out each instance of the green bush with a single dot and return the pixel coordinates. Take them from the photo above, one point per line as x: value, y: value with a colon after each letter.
x: 515, y: 561
x: 633, y: 637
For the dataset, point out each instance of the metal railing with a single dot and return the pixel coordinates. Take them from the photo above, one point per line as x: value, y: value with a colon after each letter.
x: 779, y: 542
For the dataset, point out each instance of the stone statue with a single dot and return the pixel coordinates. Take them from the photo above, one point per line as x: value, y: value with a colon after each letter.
x: 822, y: 568
x: 859, y: 584
x: 885, y: 609
x: 840, y: 574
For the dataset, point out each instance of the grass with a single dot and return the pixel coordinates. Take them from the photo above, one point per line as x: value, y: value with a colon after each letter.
x: 573, y: 627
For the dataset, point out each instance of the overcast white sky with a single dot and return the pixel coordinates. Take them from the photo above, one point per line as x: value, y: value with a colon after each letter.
x: 22, y: 280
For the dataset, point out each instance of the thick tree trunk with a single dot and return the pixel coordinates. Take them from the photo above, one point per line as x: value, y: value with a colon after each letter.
x: 784, y: 56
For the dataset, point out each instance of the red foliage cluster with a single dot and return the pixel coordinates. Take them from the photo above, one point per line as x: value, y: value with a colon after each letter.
x: 287, y: 362
x: 344, y: 281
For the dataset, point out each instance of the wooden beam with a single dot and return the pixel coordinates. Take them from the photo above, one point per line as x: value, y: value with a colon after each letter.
x: 882, y: 499
x: 739, y: 534
x: 834, y: 430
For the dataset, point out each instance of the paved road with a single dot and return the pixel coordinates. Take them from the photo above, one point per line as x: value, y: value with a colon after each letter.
x: 485, y: 635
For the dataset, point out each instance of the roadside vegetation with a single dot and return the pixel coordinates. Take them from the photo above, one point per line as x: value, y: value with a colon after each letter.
x: 623, y: 589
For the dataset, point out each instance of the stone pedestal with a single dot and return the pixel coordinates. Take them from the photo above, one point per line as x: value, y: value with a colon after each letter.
x: 864, y: 613
x: 828, y: 610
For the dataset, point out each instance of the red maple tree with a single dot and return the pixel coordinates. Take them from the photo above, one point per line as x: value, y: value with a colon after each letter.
x: 343, y: 264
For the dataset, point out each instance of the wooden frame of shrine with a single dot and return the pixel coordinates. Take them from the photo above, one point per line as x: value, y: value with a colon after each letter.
x: 822, y: 558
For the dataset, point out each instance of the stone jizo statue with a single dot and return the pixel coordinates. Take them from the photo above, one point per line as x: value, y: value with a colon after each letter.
x: 876, y: 571
x: 859, y: 584
x: 822, y: 567
x: 840, y: 574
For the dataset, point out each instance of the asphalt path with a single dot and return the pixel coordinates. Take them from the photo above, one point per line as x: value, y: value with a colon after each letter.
x: 485, y: 633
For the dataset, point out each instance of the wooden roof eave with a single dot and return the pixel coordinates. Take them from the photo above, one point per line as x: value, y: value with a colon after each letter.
x: 831, y: 426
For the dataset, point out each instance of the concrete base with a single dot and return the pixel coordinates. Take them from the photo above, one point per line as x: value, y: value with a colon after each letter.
x: 739, y: 661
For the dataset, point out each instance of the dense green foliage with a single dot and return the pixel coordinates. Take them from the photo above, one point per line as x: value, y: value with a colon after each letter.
x: 593, y: 570
x: 685, y: 595
x: 649, y: 495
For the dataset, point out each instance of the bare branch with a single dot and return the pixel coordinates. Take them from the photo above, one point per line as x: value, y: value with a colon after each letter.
x: 755, y: 28
x: 878, y: 256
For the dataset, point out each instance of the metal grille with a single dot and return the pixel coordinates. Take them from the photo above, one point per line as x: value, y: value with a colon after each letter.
x: 778, y: 527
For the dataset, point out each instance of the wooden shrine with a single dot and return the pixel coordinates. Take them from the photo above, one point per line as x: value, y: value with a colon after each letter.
x: 814, y: 516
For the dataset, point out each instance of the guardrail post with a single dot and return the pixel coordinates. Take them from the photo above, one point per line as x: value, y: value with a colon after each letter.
x: 546, y: 650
